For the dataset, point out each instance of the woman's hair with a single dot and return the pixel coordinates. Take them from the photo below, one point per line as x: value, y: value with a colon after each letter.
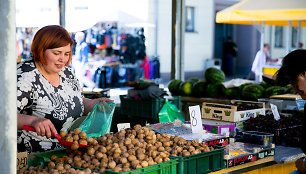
x: 49, y: 37
x: 293, y: 65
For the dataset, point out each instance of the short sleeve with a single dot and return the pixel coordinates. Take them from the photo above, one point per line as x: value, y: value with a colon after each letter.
x: 24, y: 95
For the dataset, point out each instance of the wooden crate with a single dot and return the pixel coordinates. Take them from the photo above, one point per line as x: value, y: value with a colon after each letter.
x: 230, y: 113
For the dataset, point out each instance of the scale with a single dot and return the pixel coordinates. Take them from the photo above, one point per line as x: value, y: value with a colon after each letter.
x: 288, y: 101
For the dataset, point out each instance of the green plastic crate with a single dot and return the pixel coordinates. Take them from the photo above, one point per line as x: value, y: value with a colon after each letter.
x: 145, y: 108
x: 169, y: 167
x: 201, y: 163
x: 45, y: 155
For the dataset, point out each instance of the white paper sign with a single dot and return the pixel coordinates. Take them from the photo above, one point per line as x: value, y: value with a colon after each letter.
x: 275, y: 111
x: 225, y: 130
x: 121, y: 126
x: 195, y: 118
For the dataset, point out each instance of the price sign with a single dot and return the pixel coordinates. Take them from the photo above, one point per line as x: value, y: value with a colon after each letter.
x: 275, y: 111
x: 195, y: 118
x: 122, y: 126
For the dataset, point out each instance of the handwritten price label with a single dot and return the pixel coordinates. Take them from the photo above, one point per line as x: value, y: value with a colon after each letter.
x: 275, y: 112
x: 195, y: 118
x: 22, y: 160
x: 122, y: 126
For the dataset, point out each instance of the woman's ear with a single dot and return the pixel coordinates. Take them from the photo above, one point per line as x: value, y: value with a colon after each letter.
x: 304, y: 75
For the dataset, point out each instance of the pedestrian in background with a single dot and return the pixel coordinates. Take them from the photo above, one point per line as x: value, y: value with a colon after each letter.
x: 229, y: 53
x: 259, y: 62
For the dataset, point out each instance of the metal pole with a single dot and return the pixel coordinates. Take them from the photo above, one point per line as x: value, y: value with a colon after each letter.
x: 62, y: 7
x: 288, y: 37
x: 8, y: 111
x: 182, y: 40
x: 173, y: 40
x: 180, y: 27
x: 298, y: 39
x: 262, y: 36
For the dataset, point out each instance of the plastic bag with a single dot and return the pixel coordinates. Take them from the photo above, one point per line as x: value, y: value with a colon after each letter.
x: 169, y: 112
x: 99, y: 120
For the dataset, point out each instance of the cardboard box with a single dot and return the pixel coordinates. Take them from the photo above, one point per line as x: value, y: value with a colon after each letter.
x: 231, y: 113
x: 22, y: 161
x: 219, y: 127
x: 241, y: 159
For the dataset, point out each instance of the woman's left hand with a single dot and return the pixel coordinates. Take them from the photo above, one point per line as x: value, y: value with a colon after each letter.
x: 89, y: 104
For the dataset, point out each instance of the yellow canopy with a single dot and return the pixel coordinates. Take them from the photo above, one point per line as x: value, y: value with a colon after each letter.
x: 272, y: 12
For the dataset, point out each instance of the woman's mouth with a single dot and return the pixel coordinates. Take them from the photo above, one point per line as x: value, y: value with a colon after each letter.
x: 59, y: 66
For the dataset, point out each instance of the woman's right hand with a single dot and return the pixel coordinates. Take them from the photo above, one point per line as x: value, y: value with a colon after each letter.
x: 43, y: 127
x: 301, y: 165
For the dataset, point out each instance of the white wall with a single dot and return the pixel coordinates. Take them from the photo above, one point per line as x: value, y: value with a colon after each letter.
x: 164, y: 35
x: 199, y: 45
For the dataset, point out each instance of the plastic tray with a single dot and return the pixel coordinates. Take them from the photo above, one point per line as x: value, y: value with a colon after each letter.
x: 169, y: 167
x: 256, y: 137
x: 201, y: 163
x: 145, y: 108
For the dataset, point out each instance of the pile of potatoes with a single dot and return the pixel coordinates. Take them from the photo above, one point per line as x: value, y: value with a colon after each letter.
x: 129, y: 149
x: 53, y: 168
x: 77, y: 137
x: 126, y: 150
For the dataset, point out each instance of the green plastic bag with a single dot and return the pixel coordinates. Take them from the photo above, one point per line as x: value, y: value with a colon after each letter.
x: 98, y: 122
x: 169, y: 112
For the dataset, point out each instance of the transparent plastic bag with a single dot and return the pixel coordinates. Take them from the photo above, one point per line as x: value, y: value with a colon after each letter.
x: 169, y: 113
x: 99, y: 120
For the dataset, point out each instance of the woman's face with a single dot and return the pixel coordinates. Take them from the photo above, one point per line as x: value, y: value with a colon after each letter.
x: 300, y: 85
x: 56, y: 59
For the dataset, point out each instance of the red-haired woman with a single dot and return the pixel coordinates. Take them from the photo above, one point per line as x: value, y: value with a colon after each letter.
x: 48, y: 94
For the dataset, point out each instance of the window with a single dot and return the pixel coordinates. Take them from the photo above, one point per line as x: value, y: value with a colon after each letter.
x: 278, y: 43
x: 294, y: 37
x: 189, y: 25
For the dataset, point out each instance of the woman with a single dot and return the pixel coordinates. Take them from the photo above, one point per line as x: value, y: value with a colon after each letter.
x: 293, y: 71
x: 48, y: 94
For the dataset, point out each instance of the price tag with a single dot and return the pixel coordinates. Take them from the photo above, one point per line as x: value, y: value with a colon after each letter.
x: 275, y: 111
x: 195, y: 119
x: 121, y: 126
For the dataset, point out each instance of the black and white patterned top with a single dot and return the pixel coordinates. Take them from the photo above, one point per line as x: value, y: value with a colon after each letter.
x: 38, y: 97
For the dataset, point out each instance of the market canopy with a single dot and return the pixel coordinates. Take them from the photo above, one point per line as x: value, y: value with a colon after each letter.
x: 271, y: 12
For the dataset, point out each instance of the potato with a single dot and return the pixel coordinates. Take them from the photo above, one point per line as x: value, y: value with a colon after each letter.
x: 83, y: 135
x: 53, y: 158
x: 69, y: 139
x: 76, y: 137
x: 123, y: 160
x: 99, y: 155
x: 63, y: 134
x: 144, y: 164
x: 186, y: 153
x: 140, y: 156
x: 161, y: 149
x: 74, y: 146
x: 77, y: 131
x: 111, y: 165
x: 83, y: 142
x: 91, y: 151
x: 131, y: 158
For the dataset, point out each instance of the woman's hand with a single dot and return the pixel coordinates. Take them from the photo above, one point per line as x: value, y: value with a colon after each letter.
x: 89, y: 104
x: 43, y: 127
x: 301, y: 165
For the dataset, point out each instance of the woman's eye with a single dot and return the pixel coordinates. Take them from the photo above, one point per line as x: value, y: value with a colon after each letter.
x: 56, y: 54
